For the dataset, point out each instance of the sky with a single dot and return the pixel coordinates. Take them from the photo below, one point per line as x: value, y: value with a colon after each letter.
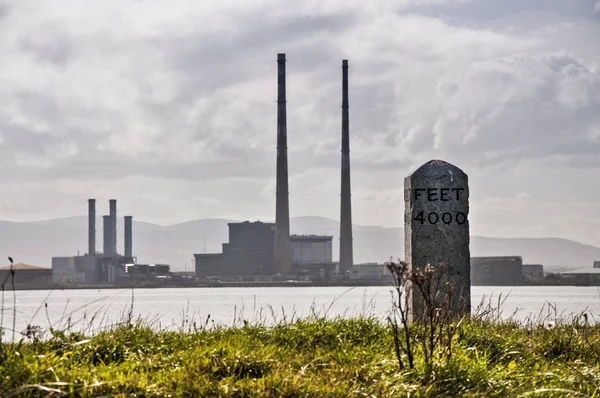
x: 170, y: 107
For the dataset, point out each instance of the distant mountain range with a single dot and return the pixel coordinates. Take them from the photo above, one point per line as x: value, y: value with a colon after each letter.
x: 36, y: 242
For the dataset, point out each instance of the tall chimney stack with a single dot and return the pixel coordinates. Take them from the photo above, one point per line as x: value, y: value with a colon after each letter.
x: 346, y: 257
x: 106, y: 235
x: 283, y: 252
x: 91, y: 227
x: 113, y: 226
x: 128, y: 236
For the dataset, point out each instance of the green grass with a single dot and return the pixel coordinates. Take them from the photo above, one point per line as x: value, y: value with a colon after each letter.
x: 313, y: 357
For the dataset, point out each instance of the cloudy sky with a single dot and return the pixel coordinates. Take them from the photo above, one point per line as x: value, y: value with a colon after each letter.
x: 170, y: 107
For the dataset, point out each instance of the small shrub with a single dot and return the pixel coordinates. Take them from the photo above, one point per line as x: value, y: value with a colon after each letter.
x: 434, y: 328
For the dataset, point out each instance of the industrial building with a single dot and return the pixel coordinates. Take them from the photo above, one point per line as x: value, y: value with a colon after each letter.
x: 209, y: 264
x: 497, y: 271
x: 312, y: 255
x: 96, y: 267
x: 147, y: 271
x: 370, y: 272
x: 25, y: 276
x: 533, y: 272
x: 585, y: 276
x: 75, y: 269
x: 250, y: 251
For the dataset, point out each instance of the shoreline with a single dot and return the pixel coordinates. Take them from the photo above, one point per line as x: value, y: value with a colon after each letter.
x: 204, y: 285
x: 253, y: 284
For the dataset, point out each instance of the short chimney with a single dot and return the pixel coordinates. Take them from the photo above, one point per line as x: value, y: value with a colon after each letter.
x: 106, y: 235
x: 128, y: 236
x: 91, y: 226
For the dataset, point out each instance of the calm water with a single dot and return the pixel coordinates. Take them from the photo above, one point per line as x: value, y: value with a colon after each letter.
x: 93, y: 309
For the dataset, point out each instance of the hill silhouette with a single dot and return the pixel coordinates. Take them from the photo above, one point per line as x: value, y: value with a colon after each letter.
x: 36, y: 242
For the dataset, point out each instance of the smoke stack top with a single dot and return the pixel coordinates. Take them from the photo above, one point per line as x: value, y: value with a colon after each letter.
x: 283, y: 251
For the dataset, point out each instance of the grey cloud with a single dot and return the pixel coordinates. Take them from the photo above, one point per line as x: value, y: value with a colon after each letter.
x: 204, y: 63
x: 414, y: 139
x: 190, y: 111
x: 17, y: 139
x: 580, y: 154
x: 314, y: 58
x: 369, y: 166
x: 263, y: 168
x: 478, y: 11
x: 373, y: 108
x: 4, y: 10
x: 59, y: 117
x: 48, y: 46
x: 373, y: 104
x: 306, y: 160
x: 39, y: 106
x: 447, y: 90
x: 201, y: 66
x: 269, y: 31
x: 533, y: 123
x: 235, y: 162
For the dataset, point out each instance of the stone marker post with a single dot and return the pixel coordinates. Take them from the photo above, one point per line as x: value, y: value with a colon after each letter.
x: 436, y: 230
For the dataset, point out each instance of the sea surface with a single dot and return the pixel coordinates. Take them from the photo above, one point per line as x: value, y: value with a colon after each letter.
x: 92, y: 310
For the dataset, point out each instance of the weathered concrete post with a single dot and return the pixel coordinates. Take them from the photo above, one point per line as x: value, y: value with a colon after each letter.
x: 436, y: 229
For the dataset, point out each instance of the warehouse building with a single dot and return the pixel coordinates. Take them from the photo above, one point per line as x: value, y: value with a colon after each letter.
x: 497, y: 271
x: 585, y: 276
x: 533, y: 272
x: 26, y: 276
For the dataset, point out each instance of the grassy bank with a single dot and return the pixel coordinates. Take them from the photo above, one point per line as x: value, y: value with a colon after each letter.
x: 310, y: 357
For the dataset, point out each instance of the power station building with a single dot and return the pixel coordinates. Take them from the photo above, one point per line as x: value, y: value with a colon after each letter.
x: 250, y: 251
x: 497, y: 271
x: 96, y: 267
x: 269, y: 249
